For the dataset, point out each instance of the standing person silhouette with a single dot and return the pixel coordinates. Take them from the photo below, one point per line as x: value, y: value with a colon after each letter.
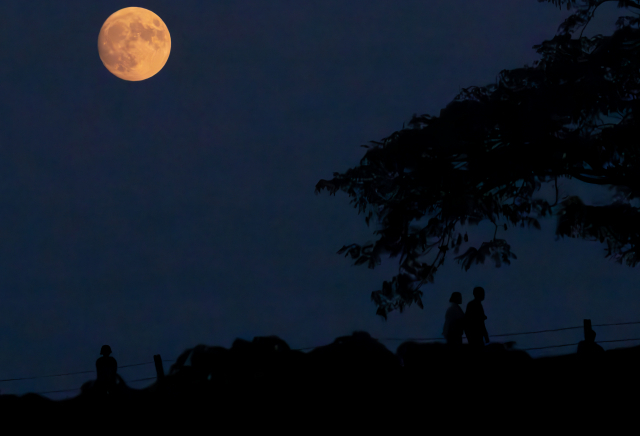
x: 106, y: 368
x: 453, y: 321
x: 474, y: 320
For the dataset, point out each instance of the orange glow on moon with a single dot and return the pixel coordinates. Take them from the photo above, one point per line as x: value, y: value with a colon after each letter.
x: 134, y: 44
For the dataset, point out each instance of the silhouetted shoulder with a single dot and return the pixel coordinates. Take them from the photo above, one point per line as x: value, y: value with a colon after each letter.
x: 473, y: 304
x: 474, y: 311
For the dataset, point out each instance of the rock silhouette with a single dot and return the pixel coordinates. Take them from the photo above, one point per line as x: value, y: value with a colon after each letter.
x: 262, y: 381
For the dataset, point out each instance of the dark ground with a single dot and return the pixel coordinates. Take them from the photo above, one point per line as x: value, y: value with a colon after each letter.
x: 354, y: 381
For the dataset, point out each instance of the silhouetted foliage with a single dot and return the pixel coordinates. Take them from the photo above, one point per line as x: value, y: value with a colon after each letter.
x: 498, y: 143
x: 355, y: 380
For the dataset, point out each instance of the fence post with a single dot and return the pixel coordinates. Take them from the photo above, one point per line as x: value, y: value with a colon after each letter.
x: 587, y: 328
x: 159, y: 370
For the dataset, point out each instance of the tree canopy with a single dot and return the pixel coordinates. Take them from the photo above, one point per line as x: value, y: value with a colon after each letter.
x: 493, y: 146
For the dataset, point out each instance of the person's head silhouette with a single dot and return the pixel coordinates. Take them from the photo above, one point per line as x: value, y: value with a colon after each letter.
x: 456, y: 297
x: 591, y: 336
x: 478, y: 293
x: 105, y: 350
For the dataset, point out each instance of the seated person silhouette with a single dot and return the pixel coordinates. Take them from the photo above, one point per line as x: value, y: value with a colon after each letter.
x: 106, y: 368
x: 590, y: 355
x: 589, y: 346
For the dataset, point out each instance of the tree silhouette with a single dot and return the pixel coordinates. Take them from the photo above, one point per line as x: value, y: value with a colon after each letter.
x: 493, y: 146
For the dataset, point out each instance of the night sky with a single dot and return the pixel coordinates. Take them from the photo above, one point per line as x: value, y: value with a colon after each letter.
x: 157, y: 215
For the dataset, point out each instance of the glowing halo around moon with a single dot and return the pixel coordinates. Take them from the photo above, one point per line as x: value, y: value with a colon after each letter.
x: 134, y: 44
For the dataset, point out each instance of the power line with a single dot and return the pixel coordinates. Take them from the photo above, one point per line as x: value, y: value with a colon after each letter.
x: 79, y: 372
x: 509, y: 334
x: 69, y: 390
x: 522, y: 349
x: 525, y: 349
x: 392, y: 339
x: 566, y: 345
x: 504, y: 334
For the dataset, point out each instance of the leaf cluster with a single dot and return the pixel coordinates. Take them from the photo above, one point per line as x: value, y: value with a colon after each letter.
x: 492, y: 147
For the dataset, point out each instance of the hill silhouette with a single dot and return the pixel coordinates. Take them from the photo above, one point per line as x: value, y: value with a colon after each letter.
x: 355, y: 379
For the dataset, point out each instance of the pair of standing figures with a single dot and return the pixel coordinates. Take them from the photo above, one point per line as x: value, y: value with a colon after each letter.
x: 470, y: 323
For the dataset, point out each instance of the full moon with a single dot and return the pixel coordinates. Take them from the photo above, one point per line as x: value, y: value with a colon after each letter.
x: 134, y: 44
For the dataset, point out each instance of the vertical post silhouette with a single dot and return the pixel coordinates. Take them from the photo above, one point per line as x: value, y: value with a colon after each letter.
x: 159, y: 369
x: 587, y: 328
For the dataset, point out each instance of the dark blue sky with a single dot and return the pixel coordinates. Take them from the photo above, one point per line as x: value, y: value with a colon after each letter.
x: 156, y: 215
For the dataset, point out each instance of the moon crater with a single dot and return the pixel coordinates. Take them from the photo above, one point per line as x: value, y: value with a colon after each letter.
x: 134, y: 44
